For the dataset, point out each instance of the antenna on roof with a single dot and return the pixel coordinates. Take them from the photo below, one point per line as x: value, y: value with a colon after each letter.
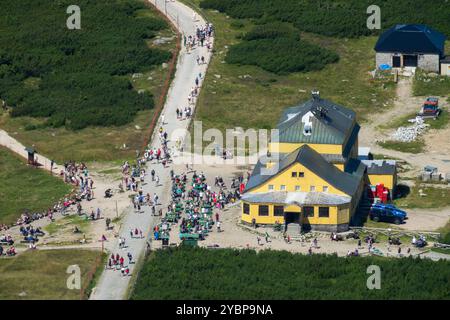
x: 315, y: 94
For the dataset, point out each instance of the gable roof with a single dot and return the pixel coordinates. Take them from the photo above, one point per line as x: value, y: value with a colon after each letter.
x: 380, y: 166
x: 411, y: 38
x: 312, y: 160
x: 331, y: 123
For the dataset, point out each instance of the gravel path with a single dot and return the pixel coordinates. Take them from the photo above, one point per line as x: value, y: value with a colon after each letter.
x: 112, y: 285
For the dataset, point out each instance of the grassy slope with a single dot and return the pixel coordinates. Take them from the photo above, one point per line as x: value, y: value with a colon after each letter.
x: 257, y: 102
x: 42, y: 274
x: 435, y: 198
x: 232, y: 274
x: 439, y: 123
x: 24, y: 187
x: 437, y: 86
x: 408, y: 147
x: 95, y: 143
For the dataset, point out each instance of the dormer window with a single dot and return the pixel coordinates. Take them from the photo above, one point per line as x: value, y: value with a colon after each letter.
x: 307, y: 129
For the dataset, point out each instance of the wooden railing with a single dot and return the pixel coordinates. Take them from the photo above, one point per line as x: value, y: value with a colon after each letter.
x: 398, y: 232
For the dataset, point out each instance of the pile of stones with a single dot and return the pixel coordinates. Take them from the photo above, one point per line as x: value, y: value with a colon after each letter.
x: 409, y: 134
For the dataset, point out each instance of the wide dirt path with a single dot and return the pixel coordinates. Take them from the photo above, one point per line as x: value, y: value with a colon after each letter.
x: 437, y: 147
x: 112, y: 285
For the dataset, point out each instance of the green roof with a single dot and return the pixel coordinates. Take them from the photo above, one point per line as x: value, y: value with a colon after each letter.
x: 330, y: 123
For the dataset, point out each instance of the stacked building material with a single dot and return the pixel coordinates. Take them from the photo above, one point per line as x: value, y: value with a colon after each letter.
x: 409, y: 134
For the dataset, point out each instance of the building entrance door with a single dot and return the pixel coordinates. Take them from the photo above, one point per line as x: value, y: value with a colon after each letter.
x: 291, y: 217
x: 396, y: 62
x: 410, y: 60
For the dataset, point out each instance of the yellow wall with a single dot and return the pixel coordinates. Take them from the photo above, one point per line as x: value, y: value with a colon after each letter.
x: 270, y: 219
x: 338, y: 215
x: 285, y: 178
x: 387, y: 180
x: 290, y: 147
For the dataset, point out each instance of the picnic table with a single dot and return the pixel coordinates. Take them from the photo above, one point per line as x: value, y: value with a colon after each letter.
x: 164, y: 235
x: 377, y: 252
x: 208, y: 211
x: 190, y: 242
x: 184, y: 236
x: 171, y: 217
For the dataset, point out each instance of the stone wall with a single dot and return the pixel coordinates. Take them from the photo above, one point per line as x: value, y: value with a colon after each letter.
x: 426, y: 62
x: 429, y: 62
x: 330, y: 227
x: 383, y: 58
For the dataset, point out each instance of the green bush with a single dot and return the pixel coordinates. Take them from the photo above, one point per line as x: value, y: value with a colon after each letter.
x: 343, y: 18
x: 199, y: 273
x: 272, y: 30
x: 237, y: 24
x: 446, y: 238
x: 277, y: 47
x: 83, y: 74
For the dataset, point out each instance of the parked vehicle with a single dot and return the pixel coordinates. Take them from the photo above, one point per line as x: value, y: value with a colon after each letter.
x: 430, y: 108
x: 387, y: 213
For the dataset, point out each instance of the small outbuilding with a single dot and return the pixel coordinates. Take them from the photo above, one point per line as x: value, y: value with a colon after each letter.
x: 411, y: 45
x: 31, y: 152
x: 445, y: 66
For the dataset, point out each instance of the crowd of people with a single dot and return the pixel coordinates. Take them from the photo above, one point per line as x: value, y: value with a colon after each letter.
x: 73, y: 173
x: 193, y: 204
x: 117, y: 262
x: 202, y: 37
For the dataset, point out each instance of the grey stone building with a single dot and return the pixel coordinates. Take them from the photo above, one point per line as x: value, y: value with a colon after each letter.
x: 410, y: 45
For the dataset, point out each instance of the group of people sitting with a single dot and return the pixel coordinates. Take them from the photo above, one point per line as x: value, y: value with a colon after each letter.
x: 10, y: 252
x: 31, y: 231
x: 7, y: 240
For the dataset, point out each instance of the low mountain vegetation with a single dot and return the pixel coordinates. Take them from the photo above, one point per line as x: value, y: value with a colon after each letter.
x: 199, y: 273
x: 76, y: 78
x: 278, y: 48
x: 342, y: 18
